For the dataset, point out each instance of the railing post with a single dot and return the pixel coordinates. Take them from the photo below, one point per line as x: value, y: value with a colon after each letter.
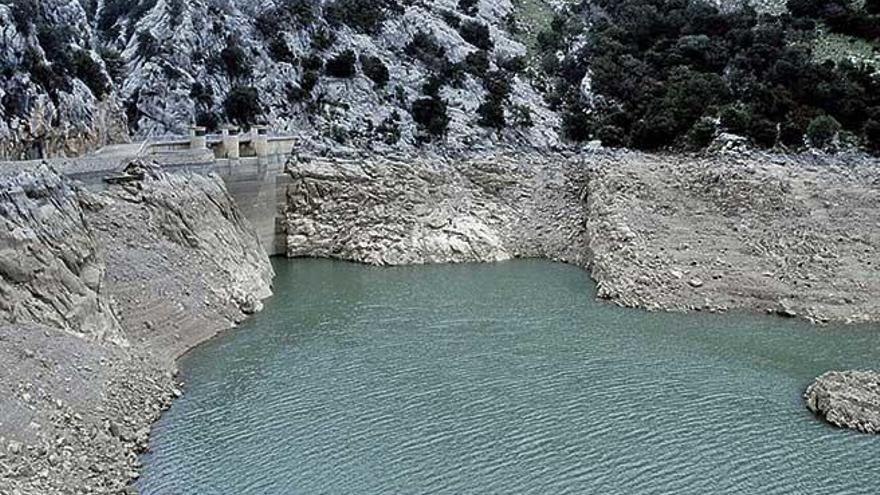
x: 231, y: 142
x: 197, y: 138
x: 260, y: 140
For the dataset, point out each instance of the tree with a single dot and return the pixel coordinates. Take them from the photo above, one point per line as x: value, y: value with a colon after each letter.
x: 242, y: 105
x: 376, y: 70
x: 822, y: 131
x: 430, y: 114
x: 477, y: 34
x: 342, y: 65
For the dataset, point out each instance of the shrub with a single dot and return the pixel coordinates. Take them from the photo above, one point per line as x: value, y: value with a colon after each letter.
x: 822, y: 130
x: 576, y: 124
x: 363, y: 16
x: 477, y: 63
x: 90, y: 72
x: 312, y: 62
x: 521, y: 116
x: 514, y: 65
x: 375, y: 69
x: 147, y: 46
x: 389, y: 129
x: 24, y: 12
x: 342, y: 65
x: 235, y: 60
x: 469, y: 7
x: 425, y: 48
x: 114, y: 63
x: 763, y: 132
x: 477, y: 34
x: 491, y: 113
x: 279, y: 51
x: 322, y: 39
x: 451, y: 19
x: 242, y: 105
x: 431, y: 115
x: 734, y: 119
x: 872, y: 134
x: 207, y: 119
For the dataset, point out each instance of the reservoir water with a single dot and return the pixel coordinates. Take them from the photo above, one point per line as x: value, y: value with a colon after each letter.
x: 503, y: 379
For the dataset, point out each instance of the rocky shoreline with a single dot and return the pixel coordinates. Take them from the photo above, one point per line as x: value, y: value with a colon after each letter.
x: 104, y: 289
x: 792, y: 236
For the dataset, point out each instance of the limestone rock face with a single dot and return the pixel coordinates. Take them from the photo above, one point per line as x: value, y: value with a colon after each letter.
x: 47, y: 51
x: 51, y: 271
x: 182, y: 261
x: 848, y: 399
x: 434, y: 210
x: 99, y: 291
x: 83, y: 73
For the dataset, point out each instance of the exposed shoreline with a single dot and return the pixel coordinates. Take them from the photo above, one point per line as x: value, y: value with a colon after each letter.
x: 621, y: 216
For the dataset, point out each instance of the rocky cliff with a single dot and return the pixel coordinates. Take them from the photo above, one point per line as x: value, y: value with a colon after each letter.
x: 784, y: 235
x: 396, y: 211
x: 101, y: 290
x: 78, y: 74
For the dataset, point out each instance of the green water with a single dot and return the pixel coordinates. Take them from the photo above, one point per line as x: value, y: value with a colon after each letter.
x: 505, y: 378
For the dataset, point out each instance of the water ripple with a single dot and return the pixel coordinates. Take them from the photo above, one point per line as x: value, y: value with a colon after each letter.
x: 502, y: 379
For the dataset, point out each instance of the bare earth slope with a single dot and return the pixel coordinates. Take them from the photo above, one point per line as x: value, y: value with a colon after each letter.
x: 766, y: 233
x: 167, y: 259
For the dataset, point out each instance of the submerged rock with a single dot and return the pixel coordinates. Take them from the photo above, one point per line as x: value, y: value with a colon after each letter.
x: 848, y: 399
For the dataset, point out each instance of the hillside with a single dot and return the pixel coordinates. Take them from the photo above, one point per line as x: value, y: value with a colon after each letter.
x: 397, y: 74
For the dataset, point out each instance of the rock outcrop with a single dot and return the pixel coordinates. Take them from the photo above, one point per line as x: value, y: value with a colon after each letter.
x: 847, y: 399
x: 108, y: 287
x: 50, y: 271
x: 761, y: 232
x: 403, y: 211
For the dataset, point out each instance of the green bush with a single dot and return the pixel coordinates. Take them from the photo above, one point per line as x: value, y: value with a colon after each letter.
x: 376, y: 70
x: 242, y: 105
x: 822, y: 130
x: 342, y: 65
x: 431, y: 115
x: 477, y: 34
